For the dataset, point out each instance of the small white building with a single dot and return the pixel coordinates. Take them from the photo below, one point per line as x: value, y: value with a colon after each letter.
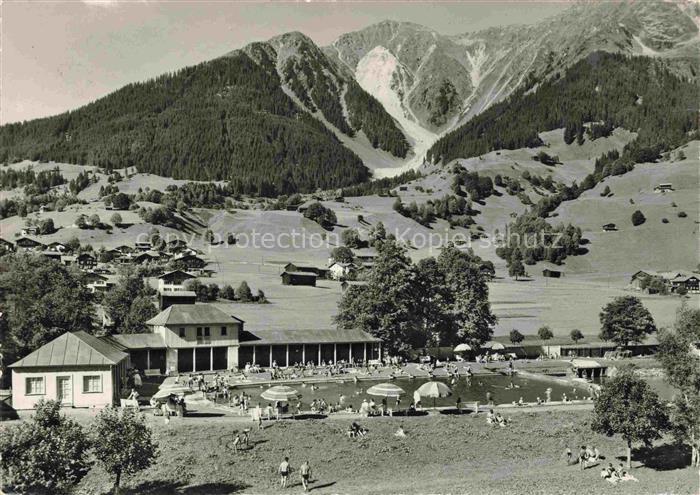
x: 76, y: 368
x: 340, y: 271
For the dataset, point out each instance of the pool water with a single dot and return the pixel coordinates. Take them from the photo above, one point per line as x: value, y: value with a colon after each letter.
x: 468, y: 390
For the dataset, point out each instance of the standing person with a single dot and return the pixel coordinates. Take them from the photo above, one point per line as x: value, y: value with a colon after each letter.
x: 305, y: 471
x: 582, y: 457
x: 459, y: 405
x: 548, y: 395
x: 489, y: 398
x: 137, y: 380
x: 284, y: 472
x: 416, y: 399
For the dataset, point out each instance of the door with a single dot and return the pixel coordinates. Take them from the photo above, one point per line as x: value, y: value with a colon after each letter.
x: 64, y: 392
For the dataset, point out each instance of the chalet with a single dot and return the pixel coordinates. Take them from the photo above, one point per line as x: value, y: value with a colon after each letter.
x: 340, y: 271
x: 609, y: 227
x: 689, y: 281
x: 190, y: 261
x: 25, y: 243
x: 31, y: 230
x: 6, y: 246
x: 346, y: 284
x: 551, y: 273
x: 367, y: 255
x: 145, y: 257
x: 294, y: 267
x: 664, y: 187
x: 57, y: 247
x: 299, y: 278
x: 77, y: 369
x: 86, y: 261
x: 673, y: 280
x: 98, y: 283
x: 142, y: 245
x: 123, y: 249
x: 197, y: 337
x: 52, y: 255
x: 174, y: 280
x: 167, y: 298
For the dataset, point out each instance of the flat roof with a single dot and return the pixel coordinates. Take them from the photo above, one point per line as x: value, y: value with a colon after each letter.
x: 135, y: 341
x: 306, y: 336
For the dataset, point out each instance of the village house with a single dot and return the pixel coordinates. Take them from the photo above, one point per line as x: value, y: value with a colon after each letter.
x: 167, y: 298
x: 142, y: 245
x: 77, y: 369
x: 340, y: 271
x: 189, y: 261
x: 96, y: 282
x: 664, y: 187
x: 672, y: 280
x: 551, y: 273
x: 609, y: 227
x: 52, y: 255
x: 85, y: 261
x: 295, y: 267
x: 174, y: 280
x: 25, y: 243
x: 30, y: 230
x: 58, y: 247
x: 298, y: 278
x: 6, y: 246
x: 176, y: 246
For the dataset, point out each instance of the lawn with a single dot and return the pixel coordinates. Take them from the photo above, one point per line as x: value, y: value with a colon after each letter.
x: 441, y: 454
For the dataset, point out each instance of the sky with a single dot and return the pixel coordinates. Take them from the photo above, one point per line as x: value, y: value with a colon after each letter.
x: 59, y: 55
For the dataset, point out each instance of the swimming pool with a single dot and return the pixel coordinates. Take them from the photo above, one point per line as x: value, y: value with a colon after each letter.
x: 468, y: 390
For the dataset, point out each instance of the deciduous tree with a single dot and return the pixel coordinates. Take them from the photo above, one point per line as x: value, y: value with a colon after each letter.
x: 625, y: 320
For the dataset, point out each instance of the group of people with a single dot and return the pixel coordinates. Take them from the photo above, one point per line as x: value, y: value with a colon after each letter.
x: 285, y: 469
x: 616, y: 475
x: 496, y: 419
x: 587, y: 455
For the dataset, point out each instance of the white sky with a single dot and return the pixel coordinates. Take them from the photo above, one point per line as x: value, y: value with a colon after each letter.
x: 59, y: 55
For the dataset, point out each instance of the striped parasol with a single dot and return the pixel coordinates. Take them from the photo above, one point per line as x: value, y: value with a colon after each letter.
x: 463, y: 348
x: 434, y: 390
x: 281, y: 393
x: 386, y: 390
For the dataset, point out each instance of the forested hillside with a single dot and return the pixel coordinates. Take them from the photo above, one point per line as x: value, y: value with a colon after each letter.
x: 227, y: 119
x: 636, y: 93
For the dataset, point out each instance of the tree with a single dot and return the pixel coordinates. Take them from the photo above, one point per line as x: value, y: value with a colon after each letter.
x: 227, y: 292
x: 121, y: 201
x: 243, y: 292
x: 41, y: 300
x: 46, y: 227
x: 516, y: 337
x: 638, y: 218
x: 342, y: 254
x: 625, y: 320
x: 516, y: 268
x: 627, y: 406
x: 209, y: 236
x: 95, y: 220
x: 351, y: 238
x: 576, y: 335
x: 545, y: 333
x: 325, y: 217
x: 140, y: 311
x: 116, y: 219
x: 81, y: 222
x: 127, y: 304
x: 47, y: 454
x: 260, y: 297
x: 681, y: 365
x: 124, y: 443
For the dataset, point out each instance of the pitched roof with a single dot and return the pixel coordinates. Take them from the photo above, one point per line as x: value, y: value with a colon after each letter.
x: 136, y: 341
x: 299, y: 274
x: 172, y: 273
x: 72, y: 349
x: 310, y: 336
x: 191, y: 314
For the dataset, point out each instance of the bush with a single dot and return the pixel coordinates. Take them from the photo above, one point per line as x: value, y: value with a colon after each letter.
x: 638, y: 218
x: 516, y: 337
x: 325, y: 217
x: 545, y: 333
x: 664, y: 220
x: 576, y: 335
x: 682, y: 214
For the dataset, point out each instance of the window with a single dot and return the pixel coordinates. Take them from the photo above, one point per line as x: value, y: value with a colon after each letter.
x: 182, y: 332
x: 199, y: 331
x: 223, y: 331
x: 92, y: 384
x: 35, y: 386
x: 206, y: 331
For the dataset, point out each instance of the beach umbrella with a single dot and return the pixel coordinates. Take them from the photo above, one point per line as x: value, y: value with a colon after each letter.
x: 172, y: 390
x: 386, y: 390
x: 462, y: 348
x: 281, y: 393
x: 497, y: 346
x: 434, y: 390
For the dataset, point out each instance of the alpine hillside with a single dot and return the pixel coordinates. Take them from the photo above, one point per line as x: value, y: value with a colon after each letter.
x: 286, y: 115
